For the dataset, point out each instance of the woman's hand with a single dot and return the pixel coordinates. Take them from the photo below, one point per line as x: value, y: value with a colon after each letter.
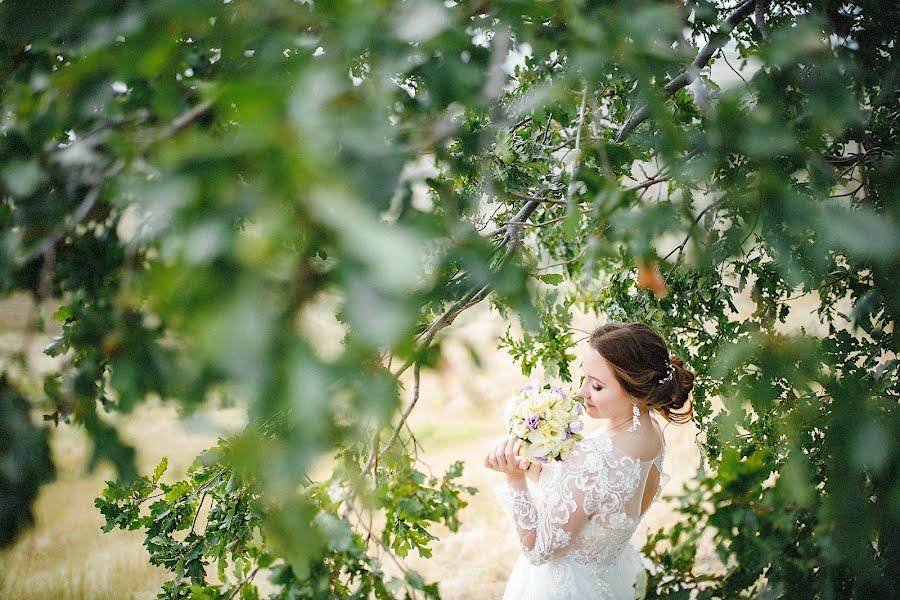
x: 534, y: 471
x: 504, y: 457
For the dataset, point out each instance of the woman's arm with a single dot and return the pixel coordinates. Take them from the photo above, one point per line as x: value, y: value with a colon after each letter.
x: 544, y: 533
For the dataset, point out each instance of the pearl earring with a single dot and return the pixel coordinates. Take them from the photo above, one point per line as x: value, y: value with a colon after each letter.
x: 635, y: 412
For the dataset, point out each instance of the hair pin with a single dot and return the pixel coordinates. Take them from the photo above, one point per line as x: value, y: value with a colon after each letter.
x: 671, y: 369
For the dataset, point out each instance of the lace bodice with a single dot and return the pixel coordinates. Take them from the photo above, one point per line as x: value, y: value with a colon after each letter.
x: 590, y: 505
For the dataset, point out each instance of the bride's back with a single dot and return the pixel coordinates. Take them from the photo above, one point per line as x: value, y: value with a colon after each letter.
x: 649, y: 448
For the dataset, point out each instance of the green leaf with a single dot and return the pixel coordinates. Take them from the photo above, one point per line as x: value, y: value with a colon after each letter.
x: 159, y: 470
x: 63, y: 313
x: 551, y: 278
x: 22, y: 178
x: 572, y: 221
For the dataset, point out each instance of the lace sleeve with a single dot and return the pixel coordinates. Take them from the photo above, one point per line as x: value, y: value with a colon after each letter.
x: 593, y: 483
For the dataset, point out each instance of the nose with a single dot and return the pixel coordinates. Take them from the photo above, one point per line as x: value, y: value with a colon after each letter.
x: 582, y: 391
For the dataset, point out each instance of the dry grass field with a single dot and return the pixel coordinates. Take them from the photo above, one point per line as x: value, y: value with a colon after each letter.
x: 65, y: 556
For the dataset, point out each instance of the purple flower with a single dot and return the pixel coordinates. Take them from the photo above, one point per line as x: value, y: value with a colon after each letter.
x: 559, y: 391
x: 532, y: 421
x: 568, y: 432
x: 542, y: 459
x: 575, y: 426
x: 526, y: 387
x: 578, y: 409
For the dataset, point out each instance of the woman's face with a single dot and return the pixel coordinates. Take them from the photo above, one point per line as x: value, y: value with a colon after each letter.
x: 603, y: 396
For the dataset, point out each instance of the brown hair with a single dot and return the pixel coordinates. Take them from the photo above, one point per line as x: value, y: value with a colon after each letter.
x: 639, y: 358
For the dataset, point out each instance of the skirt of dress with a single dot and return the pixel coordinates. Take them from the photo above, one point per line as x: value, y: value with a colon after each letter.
x: 565, y: 579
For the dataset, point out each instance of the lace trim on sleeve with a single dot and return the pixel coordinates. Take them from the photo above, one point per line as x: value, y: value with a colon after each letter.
x: 517, y: 504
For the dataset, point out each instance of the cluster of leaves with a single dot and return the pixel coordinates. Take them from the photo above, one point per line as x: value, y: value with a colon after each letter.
x: 187, y: 177
x: 550, y: 345
x: 220, y: 555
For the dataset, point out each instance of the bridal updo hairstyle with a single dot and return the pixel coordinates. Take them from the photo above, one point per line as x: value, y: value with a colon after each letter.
x: 639, y: 359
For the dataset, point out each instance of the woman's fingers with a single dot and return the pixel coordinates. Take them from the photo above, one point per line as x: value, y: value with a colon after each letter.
x: 494, y: 456
x: 504, y: 456
x: 509, y: 452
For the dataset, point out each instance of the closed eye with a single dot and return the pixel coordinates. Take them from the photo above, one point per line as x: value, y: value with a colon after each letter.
x: 596, y: 388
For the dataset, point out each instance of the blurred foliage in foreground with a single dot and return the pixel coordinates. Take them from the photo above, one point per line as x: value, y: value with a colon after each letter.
x: 187, y: 176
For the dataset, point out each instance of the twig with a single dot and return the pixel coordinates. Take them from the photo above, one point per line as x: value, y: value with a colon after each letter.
x: 541, y: 199
x: 403, y: 568
x: 823, y: 285
x: 475, y: 295
x: 565, y: 262
x: 403, y: 417
x: 538, y: 199
x: 736, y: 72
x: 489, y: 219
x: 570, y: 190
x: 680, y: 247
x: 521, y: 122
x: 749, y: 233
x: 406, y: 412
x: 859, y: 187
x: 546, y: 129
x: 241, y: 583
x: 869, y: 156
x: 695, y: 329
x: 197, y: 514
x: 538, y: 224
x: 648, y: 183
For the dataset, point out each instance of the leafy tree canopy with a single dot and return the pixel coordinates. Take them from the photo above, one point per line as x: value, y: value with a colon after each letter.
x: 185, y: 177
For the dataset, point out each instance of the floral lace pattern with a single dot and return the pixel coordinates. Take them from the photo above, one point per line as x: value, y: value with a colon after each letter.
x: 589, y: 509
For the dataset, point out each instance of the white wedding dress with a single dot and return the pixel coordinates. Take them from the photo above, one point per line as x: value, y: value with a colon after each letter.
x: 576, y: 542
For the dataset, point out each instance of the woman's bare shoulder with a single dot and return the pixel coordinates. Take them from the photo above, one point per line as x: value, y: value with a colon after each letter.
x: 644, y: 444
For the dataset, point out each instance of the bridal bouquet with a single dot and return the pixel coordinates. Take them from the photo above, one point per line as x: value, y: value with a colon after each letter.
x: 546, y: 420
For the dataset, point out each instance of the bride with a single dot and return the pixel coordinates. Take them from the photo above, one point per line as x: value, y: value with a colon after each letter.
x: 576, y: 541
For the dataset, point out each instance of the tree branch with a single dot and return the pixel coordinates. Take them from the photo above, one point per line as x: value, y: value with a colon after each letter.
x: 716, y: 41
x: 869, y: 156
x: 183, y: 120
x: 541, y: 199
x: 759, y: 17
x: 511, y: 240
x: 406, y: 412
x: 74, y: 219
x: 93, y: 194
